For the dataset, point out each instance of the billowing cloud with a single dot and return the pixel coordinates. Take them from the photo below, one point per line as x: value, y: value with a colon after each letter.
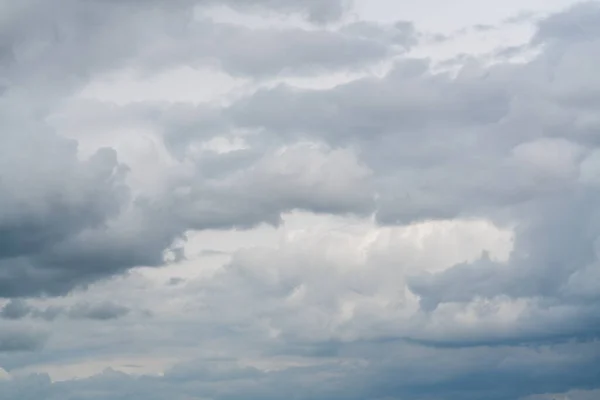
x: 49, y: 196
x: 73, y: 221
x: 347, y: 223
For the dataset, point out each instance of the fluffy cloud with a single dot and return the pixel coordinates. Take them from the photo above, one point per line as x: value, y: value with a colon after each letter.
x: 444, y: 146
x: 49, y: 196
x: 73, y: 221
x: 448, y: 234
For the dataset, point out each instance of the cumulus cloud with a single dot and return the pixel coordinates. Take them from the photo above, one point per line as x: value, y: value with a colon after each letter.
x: 473, y: 269
x: 49, y: 196
x: 73, y: 221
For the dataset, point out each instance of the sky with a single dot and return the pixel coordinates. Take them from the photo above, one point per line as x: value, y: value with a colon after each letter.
x: 316, y: 200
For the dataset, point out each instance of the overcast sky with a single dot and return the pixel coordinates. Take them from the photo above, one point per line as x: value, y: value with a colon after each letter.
x: 306, y: 199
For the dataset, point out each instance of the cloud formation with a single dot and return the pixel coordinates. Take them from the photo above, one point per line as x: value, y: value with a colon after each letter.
x: 402, y: 233
x: 18, y: 309
x: 21, y: 338
x: 422, y: 379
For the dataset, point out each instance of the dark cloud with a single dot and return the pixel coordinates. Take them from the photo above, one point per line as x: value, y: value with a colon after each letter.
x: 47, y: 202
x: 51, y: 255
x: 502, y: 374
x: 18, y: 339
x: 15, y: 309
x: 19, y: 309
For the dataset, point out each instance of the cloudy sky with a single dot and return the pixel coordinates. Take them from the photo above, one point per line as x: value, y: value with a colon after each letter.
x: 306, y: 199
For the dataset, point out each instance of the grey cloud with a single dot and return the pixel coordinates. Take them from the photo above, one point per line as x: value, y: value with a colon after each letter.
x: 401, y: 33
x: 579, y: 23
x: 433, y: 146
x: 510, y: 373
x: 49, y: 313
x: 268, y: 52
x: 102, y: 311
x: 420, y: 132
x: 18, y: 339
x: 406, y: 102
x: 558, y: 241
x: 81, y: 223
x: 296, y: 177
x: 507, y: 142
x: 19, y: 309
x: 320, y: 11
x: 542, y: 325
x: 570, y: 395
x: 400, y: 123
x: 67, y: 222
x: 175, y: 281
x: 515, y: 143
x: 15, y: 309
x: 52, y: 53
x: 523, y: 16
x: 47, y: 197
x: 264, y: 53
x: 298, y: 286
x: 42, y: 202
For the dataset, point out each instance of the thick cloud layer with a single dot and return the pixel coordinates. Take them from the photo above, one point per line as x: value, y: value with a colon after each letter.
x: 424, y: 374
x: 473, y: 271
